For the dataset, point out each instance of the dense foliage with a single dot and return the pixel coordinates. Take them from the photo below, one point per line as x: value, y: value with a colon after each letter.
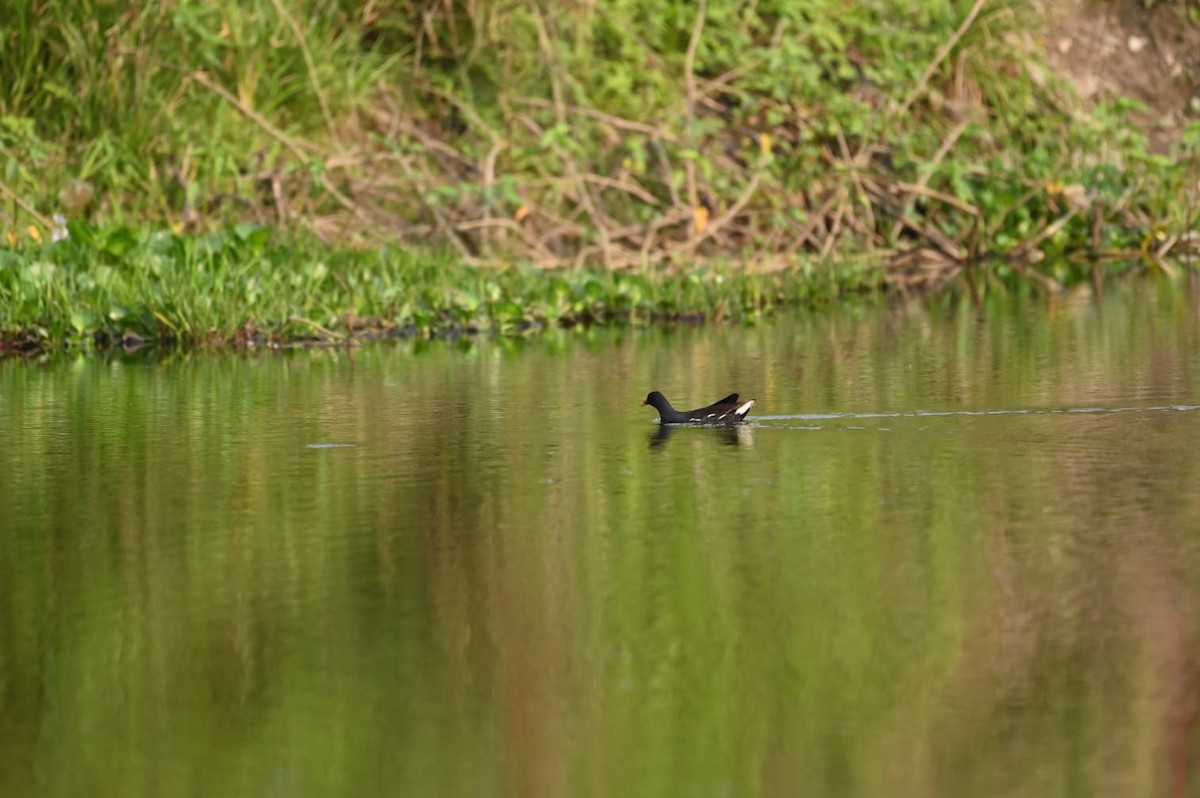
x: 917, y: 138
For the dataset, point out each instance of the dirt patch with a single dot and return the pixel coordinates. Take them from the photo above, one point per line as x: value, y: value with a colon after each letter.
x: 1123, y: 48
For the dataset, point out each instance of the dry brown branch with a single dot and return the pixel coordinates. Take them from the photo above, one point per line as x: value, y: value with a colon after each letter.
x: 1025, y: 248
x: 303, y: 150
x: 615, y: 121
x: 25, y: 206
x: 1167, y: 245
x: 942, y: 52
x: 946, y: 199
x: 489, y: 180
x: 855, y: 166
x: 548, y: 56
x: 835, y: 229
x: 600, y: 220
x: 936, y: 237
x: 468, y: 113
x: 310, y: 323
x: 497, y: 222
x: 674, y: 217
x: 563, y: 226
x: 806, y: 232
x: 421, y: 190
x: 281, y: 203
x: 297, y: 148
x: 722, y: 220
x: 689, y: 78
x: 927, y: 172
x: 626, y: 186
x: 721, y: 82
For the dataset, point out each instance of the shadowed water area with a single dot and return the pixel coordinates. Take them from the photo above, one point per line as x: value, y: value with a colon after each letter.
x: 955, y: 551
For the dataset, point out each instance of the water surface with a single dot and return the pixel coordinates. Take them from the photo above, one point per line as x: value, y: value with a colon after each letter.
x: 955, y: 552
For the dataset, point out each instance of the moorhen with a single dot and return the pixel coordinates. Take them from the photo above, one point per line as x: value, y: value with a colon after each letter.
x: 725, y: 410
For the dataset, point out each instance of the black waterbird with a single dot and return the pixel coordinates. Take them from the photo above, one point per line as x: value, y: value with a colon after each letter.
x: 722, y: 411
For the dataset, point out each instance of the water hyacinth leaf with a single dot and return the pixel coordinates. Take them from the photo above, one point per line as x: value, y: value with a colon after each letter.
x: 39, y: 273
x: 253, y: 235
x: 422, y: 319
x: 82, y: 321
x: 162, y: 242
x: 81, y: 233
x: 509, y: 311
x: 118, y: 241
x: 593, y: 289
x: 467, y: 301
x: 243, y: 230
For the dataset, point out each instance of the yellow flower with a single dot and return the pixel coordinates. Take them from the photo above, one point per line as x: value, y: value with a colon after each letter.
x: 764, y: 143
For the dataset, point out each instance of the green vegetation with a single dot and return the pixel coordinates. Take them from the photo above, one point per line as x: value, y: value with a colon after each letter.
x: 238, y: 286
x: 807, y: 137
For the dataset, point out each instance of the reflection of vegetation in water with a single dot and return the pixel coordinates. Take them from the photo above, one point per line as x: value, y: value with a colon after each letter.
x: 194, y: 600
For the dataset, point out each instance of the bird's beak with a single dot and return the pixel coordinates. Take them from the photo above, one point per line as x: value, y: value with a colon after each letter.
x: 643, y: 401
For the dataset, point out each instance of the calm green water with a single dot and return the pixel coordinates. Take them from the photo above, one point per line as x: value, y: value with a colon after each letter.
x: 956, y: 553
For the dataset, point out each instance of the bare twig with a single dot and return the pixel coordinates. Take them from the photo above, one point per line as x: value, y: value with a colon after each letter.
x: 927, y: 172
x: 323, y: 330
x: 506, y: 224
x: 548, y: 55
x: 942, y: 52
x: 806, y: 232
x: 463, y: 108
x: 581, y: 193
x: 689, y: 78
x: 434, y: 211
x: 301, y: 151
x: 716, y: 224
x: 935, y: 237
x: 626, y: 186
x: 1046, y: 232
x: 25, y: 206
x: 489, y: 178
x: 722, y: 81
x: 835, y: 229
x: 855, y: 177
x: 615, y: 121
x: 947, y: 199
x: 434, y: 145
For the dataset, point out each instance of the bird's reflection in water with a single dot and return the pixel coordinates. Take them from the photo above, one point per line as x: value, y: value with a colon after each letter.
x: 728, y: 434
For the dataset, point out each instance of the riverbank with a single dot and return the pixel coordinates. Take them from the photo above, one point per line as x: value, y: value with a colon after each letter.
x: 498, y: 169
